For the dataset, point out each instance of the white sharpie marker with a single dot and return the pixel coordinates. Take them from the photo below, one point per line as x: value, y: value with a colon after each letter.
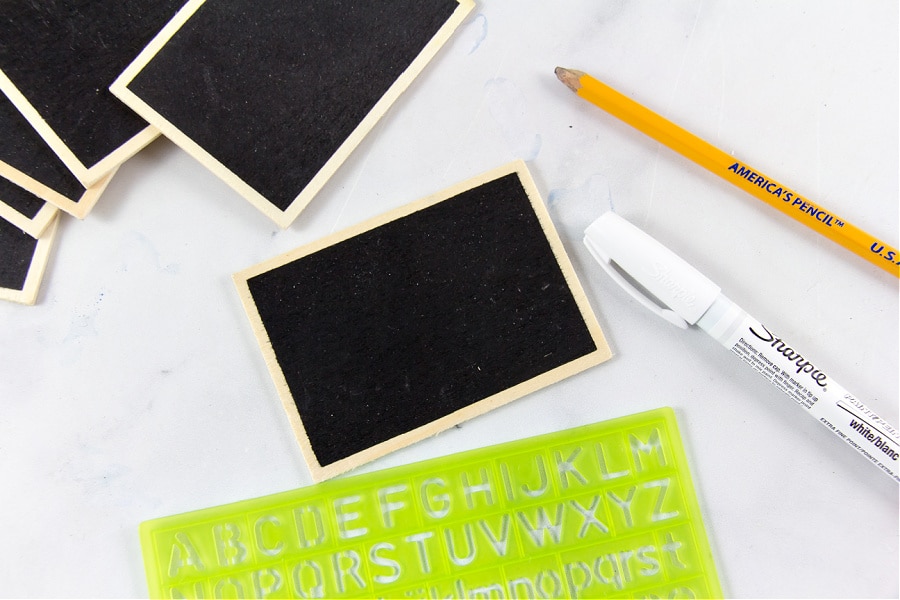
x: 689, y: 298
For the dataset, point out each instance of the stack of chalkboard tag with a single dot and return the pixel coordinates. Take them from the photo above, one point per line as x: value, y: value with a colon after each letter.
x: 86, y: 85
x: 62, y: 134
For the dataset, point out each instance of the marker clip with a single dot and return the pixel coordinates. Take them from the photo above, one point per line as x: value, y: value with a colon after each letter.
x: 682, y: 294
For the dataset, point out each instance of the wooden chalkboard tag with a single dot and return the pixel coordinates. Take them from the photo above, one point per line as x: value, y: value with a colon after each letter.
x: 273, y: 95
x: 405, y: 325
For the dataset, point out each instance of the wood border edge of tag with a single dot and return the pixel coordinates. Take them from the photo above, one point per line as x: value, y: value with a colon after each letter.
x: 33, y: 226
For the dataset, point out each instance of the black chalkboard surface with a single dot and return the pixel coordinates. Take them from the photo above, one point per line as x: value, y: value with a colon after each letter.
x: 272, y: 95
x: 38, y: 174
x: 427, y: 316
x: 23, y: 260
x: 22, y: 201
x: 57, y: 61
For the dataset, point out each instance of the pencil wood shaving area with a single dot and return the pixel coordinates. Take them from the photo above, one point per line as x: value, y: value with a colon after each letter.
x: 304, y: 147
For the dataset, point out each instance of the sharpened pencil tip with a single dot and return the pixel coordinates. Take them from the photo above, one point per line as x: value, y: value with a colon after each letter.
x: 569, y: 77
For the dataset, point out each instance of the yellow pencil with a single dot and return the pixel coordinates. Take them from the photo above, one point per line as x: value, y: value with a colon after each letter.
x: 733, y: 170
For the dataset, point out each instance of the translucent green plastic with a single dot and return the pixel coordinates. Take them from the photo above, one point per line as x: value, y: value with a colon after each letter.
x: 605, y: 510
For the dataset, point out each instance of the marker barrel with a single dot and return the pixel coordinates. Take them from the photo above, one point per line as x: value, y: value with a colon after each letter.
x: 803, y: 381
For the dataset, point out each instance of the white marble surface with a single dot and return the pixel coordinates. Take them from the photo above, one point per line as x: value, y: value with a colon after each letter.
x: 134, y: 388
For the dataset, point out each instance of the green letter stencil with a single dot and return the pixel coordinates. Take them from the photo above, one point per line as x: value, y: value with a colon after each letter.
x: 596, y: 511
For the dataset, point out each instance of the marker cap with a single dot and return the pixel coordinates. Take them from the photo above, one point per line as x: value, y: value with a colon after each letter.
x: 654, y: 275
